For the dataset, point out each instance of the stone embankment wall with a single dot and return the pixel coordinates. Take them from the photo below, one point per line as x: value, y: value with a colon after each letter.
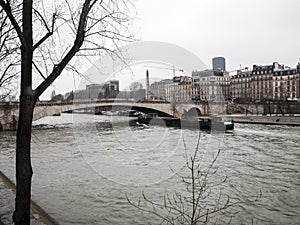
x: 264, y: 109
x: 268, y: 120
x: 8, y: 116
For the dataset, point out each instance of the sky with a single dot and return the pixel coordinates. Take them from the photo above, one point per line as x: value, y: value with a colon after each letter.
x: 245, y: 32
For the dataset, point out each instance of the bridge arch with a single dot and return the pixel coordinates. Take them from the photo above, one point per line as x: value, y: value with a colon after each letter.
x: 161, y: 108
x: 43, y: 109
x: 193, y: 112
x: 151, y: 110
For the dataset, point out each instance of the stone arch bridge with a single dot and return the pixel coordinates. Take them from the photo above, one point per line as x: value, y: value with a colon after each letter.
x: 9, y: 111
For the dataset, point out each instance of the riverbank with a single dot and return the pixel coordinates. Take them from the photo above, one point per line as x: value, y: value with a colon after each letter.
x: 7, y: 205
x: 267, y: 120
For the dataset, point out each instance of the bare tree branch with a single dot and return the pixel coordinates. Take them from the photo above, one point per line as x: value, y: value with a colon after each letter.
x: 47, y: 35
x: 75, y: 48
x: 39, y: 47
x: 7, y: 8
x: 9, y: 59
x: 192, y: 207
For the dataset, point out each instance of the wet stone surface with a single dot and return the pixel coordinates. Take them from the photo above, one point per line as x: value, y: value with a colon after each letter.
x: 7, y: 201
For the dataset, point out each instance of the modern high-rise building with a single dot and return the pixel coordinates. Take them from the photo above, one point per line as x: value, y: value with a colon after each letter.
x: 219, y: 63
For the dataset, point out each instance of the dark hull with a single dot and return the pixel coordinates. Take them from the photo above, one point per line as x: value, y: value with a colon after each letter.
x: 186, y: 123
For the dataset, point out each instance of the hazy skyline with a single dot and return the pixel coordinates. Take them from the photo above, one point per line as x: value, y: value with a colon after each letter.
x: 244, y: 32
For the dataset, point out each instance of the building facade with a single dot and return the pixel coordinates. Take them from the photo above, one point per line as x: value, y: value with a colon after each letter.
x: 240, y: 86
x: 158, y: 89
x: 266, y: 83
x: 262, y: 82
x: 109, y: 89
x: 203, y: 86
x: 178, y: 89
x: 211, y: 85
x: 286, y: 84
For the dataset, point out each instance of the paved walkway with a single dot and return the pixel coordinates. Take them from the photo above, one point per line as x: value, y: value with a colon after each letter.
x: 7, y: 201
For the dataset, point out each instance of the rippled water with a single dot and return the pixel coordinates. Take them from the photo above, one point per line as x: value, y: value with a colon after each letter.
x: 84, y: 167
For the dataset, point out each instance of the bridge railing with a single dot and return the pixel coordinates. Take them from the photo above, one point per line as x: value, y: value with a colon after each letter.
x: 92, y: 101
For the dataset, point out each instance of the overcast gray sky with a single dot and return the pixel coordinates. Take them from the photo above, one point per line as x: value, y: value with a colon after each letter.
x: 245, y: 32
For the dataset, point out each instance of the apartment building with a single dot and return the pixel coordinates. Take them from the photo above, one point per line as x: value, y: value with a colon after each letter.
x: 286, y: 84
x: 261, y: 84
x: 266, y: 83
x: 211, y: 85
x: 178, y: 89
x: 207, y: 85
x: 262, y: 81
x: 240, y: 86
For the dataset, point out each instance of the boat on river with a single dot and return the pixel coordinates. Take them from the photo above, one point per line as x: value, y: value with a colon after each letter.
x: 202, y: 123
x: 208, y: 123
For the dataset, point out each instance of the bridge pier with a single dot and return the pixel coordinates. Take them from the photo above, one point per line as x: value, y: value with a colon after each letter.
x: 8, y: 116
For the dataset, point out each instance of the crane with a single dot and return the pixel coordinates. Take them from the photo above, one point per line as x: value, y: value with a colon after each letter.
x: 166, y: 68
x: 239, y: 70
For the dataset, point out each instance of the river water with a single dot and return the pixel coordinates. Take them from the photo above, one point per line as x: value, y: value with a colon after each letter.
x: 85, y: 166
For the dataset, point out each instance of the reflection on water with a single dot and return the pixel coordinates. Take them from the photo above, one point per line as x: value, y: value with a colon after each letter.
x: 84, y: 165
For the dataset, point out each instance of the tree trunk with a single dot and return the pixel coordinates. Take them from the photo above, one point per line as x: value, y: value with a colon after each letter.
x: 23, y: 163
x: 27, y: 101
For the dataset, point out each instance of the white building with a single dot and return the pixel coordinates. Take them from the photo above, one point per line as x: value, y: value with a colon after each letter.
x: 211, y: 85
x: 178, y: 89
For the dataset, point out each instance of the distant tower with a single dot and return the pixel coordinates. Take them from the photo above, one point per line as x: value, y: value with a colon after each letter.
x: 219, y: 63
x: 147, y: 85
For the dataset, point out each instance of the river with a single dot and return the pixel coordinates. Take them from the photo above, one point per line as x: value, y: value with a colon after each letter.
x: 85, y: 166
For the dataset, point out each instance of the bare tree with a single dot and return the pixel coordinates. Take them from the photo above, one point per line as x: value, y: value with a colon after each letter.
x: 134, y: 86
x: 49, y: 37
x: 201, y: 200
x: 9, y: 55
